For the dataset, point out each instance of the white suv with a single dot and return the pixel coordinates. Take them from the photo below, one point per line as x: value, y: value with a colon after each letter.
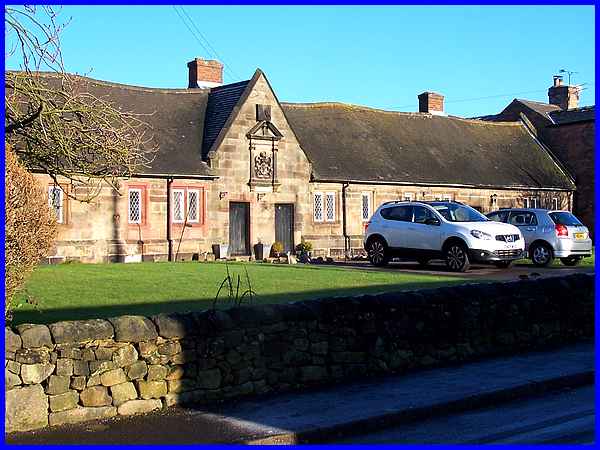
x: 447, y: 230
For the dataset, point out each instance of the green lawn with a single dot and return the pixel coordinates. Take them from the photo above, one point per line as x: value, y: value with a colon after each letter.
x: 586, y: 262
x: 78, y: 291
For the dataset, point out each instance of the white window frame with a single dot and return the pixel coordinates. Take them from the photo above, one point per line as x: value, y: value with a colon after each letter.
x: 141, y: 205
x: 331, y: 195
x: 321, y: 201
x: 408, y: 196
x: 525, y: 202
x: 366, y: 195
x: 59, y: 212
x: 197, y: 192
x: 533, y: 201
x: 174, y: 192
x: 555, y: 203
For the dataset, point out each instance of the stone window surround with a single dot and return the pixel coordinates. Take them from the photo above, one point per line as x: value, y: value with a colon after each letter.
x: 201, y: 190
x: 336, y: 215
x: 63, y: 219
x: 368, y: 196
x: 143, y: 188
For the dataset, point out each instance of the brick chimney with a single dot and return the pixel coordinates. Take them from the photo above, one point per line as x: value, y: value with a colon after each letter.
x: 432, y: 103
x: 567, y: 97
x: 205, y: 73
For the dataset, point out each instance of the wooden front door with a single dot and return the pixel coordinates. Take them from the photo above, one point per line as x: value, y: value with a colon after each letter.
x: 284, y: 226
x: 239, y: 228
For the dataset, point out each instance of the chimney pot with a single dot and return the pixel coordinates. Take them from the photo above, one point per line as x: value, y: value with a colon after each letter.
x: 205, y: 73
x: 558, y: 80
x: 432, y: 103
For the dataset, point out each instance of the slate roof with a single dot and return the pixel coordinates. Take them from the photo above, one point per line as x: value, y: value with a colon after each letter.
x: 575, y: 115
x: 221, y: 102
x: 184, y: 122
x: 346, y: 142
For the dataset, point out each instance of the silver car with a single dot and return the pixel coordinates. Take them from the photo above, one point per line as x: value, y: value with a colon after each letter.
x: 548, y: 234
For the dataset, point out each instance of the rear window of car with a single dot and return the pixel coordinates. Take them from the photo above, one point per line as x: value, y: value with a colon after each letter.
x: 399, y: 213
x: 500, y: 216
x: 564, y: 218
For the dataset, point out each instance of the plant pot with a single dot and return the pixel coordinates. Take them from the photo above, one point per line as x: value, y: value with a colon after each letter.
x: 261, y: 251
x: 220, y: 250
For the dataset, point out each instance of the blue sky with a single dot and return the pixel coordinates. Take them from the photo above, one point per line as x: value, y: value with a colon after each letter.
x: 376, y: 56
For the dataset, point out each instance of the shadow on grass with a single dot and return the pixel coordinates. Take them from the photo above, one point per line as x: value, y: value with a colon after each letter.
x: 204, y: 303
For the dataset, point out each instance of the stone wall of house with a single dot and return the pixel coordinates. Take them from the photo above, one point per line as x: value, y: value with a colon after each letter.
x: 99, y: 230
x: 70, y: 372
x: 232, y: 163
x: 574, y: 144
x: 328, y: 237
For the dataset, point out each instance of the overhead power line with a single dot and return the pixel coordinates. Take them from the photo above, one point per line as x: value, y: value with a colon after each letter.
x: 199, y: 36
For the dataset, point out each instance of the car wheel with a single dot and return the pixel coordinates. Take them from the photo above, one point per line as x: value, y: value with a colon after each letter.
x: 503, y: 264
x: 457, y: 259
x: 571, y: 260
x: 541, y: 255
x: 378, y: 252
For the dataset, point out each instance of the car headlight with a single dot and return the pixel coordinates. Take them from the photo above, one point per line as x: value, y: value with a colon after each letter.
x: 481, y: 235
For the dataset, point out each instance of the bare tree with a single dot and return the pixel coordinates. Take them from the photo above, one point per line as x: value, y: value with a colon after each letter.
x: 53, y: 122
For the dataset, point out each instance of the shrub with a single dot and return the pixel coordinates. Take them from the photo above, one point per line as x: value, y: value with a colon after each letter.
x: 276, y: 248
x: 304, y: 246
x: 30, y: 227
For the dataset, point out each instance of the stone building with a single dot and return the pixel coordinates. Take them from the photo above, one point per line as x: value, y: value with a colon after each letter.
x: 236, y: 166
x: 569, y: 133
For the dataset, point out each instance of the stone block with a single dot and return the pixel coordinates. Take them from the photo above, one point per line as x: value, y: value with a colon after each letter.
x: 137, y: 370
x: 152, y: 389
x: 93, y: 381
x: 64, y: 367
x: 113, y: 377
x: 104, y: 353
x: 11, y: 379
x: 209, y: 379
x: 36, y: 373
x: 76, y: 331
x: 133, y: 329
x: 177, y: 372
x: 174, y: 325
x: 157, y: 372
x: 87, y: 354
x: 77, y: 415
x: 58, y: 384
x: 169, y: 348
x: 13, y: 367
x: 63, y: 402
x: 99, y: 367
x: 182, y: 385
x: 32, y: 356
x: 26, y: 409
x: 125, y: 356
x: 78, y: 383
x: 122, y: 393
x: 147, y: 348
x: 139, y: 407
x: 34, y: 336
x: 81, y: 367
x: 313, y: 373
x: 185, y: 398
x: 95, y: 396
x: 69, y: 352
x: 12, y: 341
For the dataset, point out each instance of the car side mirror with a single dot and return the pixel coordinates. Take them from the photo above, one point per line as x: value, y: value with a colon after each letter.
x: 432, y: 221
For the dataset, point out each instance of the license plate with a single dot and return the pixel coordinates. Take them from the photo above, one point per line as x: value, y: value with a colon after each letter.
x: 579, y: 235
x: 510, y: 246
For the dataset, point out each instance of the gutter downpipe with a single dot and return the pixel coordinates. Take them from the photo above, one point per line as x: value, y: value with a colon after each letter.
x: 344, y: 230
x: 169, y: 238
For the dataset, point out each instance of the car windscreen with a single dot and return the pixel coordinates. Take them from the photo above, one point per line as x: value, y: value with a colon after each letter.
x: 565, y: 218
x: 455, y: 212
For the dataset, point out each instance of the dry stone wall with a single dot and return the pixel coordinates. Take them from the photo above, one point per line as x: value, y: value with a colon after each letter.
x: 69, y: 372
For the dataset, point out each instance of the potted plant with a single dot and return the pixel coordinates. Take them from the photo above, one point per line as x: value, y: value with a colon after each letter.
x: 303, y: 250
x: 220, y: 250
x: 276, y: 249
x: 261, y: 250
